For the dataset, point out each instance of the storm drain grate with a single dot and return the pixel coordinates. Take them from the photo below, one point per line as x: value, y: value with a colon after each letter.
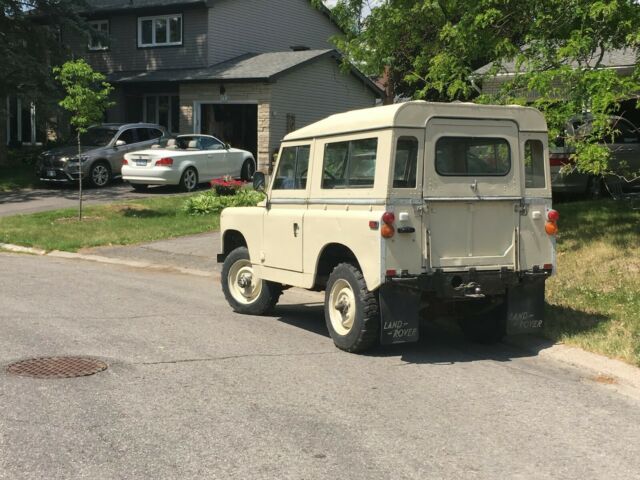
x: 57, y: 367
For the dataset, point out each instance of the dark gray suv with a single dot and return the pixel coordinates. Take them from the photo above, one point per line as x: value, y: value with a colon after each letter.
x: 103, y: 148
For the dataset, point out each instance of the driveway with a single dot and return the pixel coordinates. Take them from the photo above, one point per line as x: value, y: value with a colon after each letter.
x: 194, y: 390
x: 66, y: 196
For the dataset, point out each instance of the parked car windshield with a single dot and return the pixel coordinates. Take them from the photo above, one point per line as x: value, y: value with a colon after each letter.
x: 97, y: 136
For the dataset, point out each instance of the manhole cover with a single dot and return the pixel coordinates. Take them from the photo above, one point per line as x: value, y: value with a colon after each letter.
x: 57, y: 367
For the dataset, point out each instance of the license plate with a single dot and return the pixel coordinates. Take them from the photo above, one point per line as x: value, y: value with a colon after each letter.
x: 51, y: 173
x: 141, y: 163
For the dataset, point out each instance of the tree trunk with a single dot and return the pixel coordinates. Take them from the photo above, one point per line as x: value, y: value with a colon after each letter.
x: 79, y: 179
x: 4, y: 159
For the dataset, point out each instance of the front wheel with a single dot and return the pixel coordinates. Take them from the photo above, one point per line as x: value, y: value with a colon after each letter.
x: 100, y: 174
x: 351, y: 311
x: 243, y: 289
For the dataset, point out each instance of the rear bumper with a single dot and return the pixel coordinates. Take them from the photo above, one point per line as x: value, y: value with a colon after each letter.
x: 469, y: 285
x: 151, y: 176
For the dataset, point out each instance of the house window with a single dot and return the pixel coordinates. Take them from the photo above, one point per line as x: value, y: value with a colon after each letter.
x: 99, y: 35
x: 160, y: 31
x: 163, y: 110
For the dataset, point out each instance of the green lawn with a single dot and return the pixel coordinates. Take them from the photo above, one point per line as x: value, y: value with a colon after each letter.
x: 117, y: 224
x: 594, y: 301
x: 16, y: 176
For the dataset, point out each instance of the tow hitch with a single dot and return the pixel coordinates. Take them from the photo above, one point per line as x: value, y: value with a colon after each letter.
x: 470, y: 290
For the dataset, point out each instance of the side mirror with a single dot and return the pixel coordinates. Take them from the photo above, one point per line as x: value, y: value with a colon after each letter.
x: 120, y: 143
x: 227, y: 146
x: 259, y: 181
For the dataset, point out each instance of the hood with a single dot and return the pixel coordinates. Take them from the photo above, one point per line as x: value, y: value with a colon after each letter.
x: 69, y: 151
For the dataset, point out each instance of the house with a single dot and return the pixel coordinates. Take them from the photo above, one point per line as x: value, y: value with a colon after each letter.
x: 623, y: 61
x: 246, y: 71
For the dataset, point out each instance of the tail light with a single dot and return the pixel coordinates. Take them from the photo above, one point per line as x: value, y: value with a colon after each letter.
x: 164, y: 162
x: 559, y: 159
x: 387, y: 230
x: 551, y: 227
x: 125, y: 161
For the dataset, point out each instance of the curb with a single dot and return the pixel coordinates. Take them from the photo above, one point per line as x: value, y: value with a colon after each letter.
x: 18, y: 249
x: 619, y: 375
x: 108, y: 260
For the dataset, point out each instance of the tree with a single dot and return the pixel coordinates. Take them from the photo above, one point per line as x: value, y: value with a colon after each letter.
x: 87, y: 99
x: 433, y: 48
x: 29, y: 44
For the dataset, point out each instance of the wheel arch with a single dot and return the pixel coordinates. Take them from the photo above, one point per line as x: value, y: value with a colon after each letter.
x: 232, y: 239
x: 331, y: 255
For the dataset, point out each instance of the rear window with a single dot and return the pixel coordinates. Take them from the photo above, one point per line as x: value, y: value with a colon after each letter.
x: 534, y: 164
x: 350, y: 164
x: 472, y: 156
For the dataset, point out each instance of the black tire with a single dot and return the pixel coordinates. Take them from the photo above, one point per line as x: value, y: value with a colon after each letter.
x: 100, y: 174
x: 139, y: 187
x: 263, y: 302
x: 360, y: 330
x: 595, y: 188
x: 248, y: 169
x: 189, y: 180
x: 488, y: 327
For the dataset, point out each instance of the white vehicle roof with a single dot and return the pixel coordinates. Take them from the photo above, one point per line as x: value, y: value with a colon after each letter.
x: 416, y: 114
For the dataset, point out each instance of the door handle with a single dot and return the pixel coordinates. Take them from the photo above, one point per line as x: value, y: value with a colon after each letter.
x: 296, y: 228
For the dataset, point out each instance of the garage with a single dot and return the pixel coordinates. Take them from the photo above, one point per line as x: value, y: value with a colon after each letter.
x: 233, y: 123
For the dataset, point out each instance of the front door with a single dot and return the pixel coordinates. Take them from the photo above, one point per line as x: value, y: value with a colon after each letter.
x: 283, y: 241
x: 472, y: 194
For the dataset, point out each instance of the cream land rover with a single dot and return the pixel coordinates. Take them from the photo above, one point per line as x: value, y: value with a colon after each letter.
x: 399, y: 213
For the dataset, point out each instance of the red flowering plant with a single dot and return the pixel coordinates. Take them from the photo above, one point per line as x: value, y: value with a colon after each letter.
x: 226, y: 185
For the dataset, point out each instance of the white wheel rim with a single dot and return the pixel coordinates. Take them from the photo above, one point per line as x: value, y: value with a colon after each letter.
x: 190, y: 179
x: 100, y: 175
x: 342, y: 307
x: 244, y: 286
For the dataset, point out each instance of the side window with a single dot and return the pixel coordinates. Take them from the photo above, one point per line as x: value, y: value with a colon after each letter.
x: 210, y: 143
x: 293, y: 168
x: 534, y: 164
x: 624, y: 133
x: 143, y: 134
x: 471, y: 156
x: 154, y: 133
x: 406, y: 163
x: 128, y: 136
x: 350, y: 164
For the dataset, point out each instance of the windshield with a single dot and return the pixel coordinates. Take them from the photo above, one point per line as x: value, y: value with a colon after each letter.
x: 97, y: 136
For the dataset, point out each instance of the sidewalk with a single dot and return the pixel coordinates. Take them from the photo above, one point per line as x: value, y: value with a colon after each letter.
x: 195, y: 253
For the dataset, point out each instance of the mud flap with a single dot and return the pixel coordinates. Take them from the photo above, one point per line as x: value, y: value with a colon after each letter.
x: 525, y: 308
x: 399, y: 314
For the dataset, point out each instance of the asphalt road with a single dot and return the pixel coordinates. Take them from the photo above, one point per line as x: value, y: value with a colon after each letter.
x: 54, y: 197
x: 194, y: 390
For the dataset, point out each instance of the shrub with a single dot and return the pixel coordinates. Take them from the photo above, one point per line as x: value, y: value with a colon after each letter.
x: 209, y: 202
x: 226, y: 185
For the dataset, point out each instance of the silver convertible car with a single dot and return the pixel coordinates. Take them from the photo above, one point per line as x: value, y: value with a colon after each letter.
x: 186, y: 161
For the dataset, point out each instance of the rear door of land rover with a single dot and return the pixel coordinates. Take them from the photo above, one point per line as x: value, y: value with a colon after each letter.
x: 472, y: 194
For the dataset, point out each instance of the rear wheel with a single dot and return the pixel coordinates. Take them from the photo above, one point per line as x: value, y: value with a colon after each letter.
x: 351, y: 311
x: 248, y: 169
x: 488, y: 327
x: 243, y: 289
x: 100, y: 174
x: 189, y: 180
